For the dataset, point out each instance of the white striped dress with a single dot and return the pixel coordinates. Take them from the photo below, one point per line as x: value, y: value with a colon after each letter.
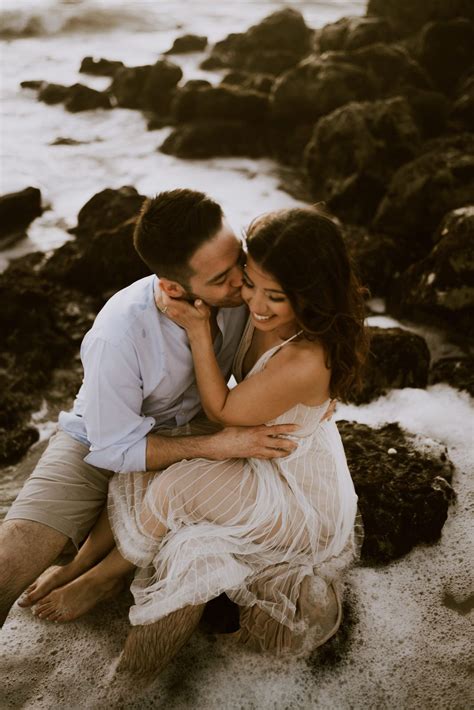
x: 275, y: 535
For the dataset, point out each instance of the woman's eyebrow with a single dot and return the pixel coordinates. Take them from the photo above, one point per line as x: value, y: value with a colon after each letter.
x: 271, y: 290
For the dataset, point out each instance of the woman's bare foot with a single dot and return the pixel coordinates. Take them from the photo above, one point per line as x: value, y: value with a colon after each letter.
x: 76, y: 598
x: 52, y: 578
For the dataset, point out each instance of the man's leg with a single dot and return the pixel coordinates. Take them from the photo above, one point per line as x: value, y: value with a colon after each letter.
x: 26, y: 549
x: 61, y: 500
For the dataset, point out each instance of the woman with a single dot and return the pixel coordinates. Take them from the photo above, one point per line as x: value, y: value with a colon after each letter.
x: 273, y: 534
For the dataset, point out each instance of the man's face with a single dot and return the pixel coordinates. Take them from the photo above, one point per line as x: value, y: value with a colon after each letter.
x: 217, y: 271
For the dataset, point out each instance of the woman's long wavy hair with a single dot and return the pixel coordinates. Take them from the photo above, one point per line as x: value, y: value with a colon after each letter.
x: 304, y: 251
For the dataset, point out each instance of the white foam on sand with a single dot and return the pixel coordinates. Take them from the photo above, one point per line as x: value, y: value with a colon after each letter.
x: 407, y: 632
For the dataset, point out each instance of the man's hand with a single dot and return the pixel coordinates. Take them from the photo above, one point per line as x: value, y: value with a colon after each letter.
x: 261, y: 442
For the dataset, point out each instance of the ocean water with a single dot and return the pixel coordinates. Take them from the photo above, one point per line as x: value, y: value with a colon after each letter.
x: 47, y: 39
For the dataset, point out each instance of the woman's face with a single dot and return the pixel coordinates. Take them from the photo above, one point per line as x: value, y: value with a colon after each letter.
x: 269, y: 307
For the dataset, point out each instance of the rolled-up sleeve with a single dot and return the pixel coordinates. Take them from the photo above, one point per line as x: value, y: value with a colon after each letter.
x: 113, y: 398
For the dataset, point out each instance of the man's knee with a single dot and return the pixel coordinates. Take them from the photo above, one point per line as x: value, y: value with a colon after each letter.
x: 26, y: 548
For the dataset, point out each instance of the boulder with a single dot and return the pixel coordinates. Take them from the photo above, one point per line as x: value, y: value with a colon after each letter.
x: 102, y: 259
x: 33, y: 312
x: 228, y: 103
x: 52, y: 93
x: 159, y: 84
x: 127, y: 86
x: 100, y: 265
x: 422, y: 191
x: 355, y: 150
x: 408, y: 16
x: 391, y: 69
x: 462, y: 111
x: 378, y: 258
x: 398, y: 358
x: 17, y: 211
x: 208, y: 139
x: 430, y: 110
x: 404, y: 488
x: 445, y: 50
x: 188, y: 43
x: 34, y: 84
x: 317, y: 86
x: 457, y: 371
x: 100, y: 67
x: 148, y: 87
x: 278, y: 42
x: 255, y: 82
x: 75, y: 98
x: 353, y: 33
x: 83, y: 98
x: 440, y: 288
x: 107, y: 209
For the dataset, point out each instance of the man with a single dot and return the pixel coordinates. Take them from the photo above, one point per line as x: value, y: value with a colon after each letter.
x: 138, y: 384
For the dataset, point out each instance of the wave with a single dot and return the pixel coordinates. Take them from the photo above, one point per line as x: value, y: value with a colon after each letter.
x: 70, y: 16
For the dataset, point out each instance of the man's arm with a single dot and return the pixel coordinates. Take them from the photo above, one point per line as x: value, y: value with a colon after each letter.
x: 263, y: 442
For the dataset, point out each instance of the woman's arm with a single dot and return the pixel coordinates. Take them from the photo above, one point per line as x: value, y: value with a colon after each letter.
x: 288, y: 378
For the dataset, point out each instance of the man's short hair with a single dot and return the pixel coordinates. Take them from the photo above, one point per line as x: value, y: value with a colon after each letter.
x: 170, y: 229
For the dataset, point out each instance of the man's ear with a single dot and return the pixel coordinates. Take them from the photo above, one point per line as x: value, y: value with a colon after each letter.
x: 172, y: 288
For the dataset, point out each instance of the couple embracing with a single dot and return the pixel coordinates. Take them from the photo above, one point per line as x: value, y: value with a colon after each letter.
x: 163, y: 471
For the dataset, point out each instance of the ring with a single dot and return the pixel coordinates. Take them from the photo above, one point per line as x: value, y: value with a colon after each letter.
x: 163, y: 310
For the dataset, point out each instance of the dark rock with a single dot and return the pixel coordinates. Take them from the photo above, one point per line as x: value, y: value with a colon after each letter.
x: 353, y: 33
x: 197, y: 84
x: 101, y: 264
x: 107, y: 209
x: 100, y: 67
x: 354, y: 152
x: 391, y: 69
x: 14, y: 443
x: 430, y: 110
x: 82, y: 98
x: 52, y: 93
x: 34, y: 84
x: 408, y: 16
x: 404, y: 496
x: 188, y: 43
x: 317, y: 86
x: 102, y: 259
x: 127, y: 86
x: 18, y: 210
x: 457, y: 371
x: 61, y: 140
x: 378, y: 258
x: 440, y: 288
x: 424, y: 190
x: 445, y: 50
x: 219, y: 103
x: 288, y: 142
x: 33, y: 312
x: 272, y: 46
x: 256, y: 82
x: 147, y: 87
x: 397, y: 359
x: 75, y: 98
x: 216, y: 138
x: 462, y: 112
x: 159, y: 84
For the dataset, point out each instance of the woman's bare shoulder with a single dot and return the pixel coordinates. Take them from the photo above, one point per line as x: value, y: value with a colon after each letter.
x: 306, y: 357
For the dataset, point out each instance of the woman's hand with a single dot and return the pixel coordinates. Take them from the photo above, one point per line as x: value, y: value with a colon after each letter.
x: 191, y: 317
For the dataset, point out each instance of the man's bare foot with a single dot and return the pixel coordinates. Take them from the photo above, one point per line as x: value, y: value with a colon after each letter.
x: 52, y: 578
x: 76, y: 598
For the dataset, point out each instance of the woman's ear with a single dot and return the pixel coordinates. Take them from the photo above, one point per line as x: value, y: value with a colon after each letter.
x: 172, y: 288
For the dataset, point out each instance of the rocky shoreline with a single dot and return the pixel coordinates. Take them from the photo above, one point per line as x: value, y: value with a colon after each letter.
x: 372, y: 115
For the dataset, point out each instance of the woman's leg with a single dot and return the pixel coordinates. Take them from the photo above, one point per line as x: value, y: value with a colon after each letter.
x: 148, y: 649
x: 100, y: 582
x: 98, y: 543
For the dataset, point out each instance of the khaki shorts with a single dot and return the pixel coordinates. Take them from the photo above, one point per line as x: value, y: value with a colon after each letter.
x: 63, y: 492
x: 68, y: 494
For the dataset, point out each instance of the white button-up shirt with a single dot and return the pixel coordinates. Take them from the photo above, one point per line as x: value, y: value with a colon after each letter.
x: 139, y: 376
